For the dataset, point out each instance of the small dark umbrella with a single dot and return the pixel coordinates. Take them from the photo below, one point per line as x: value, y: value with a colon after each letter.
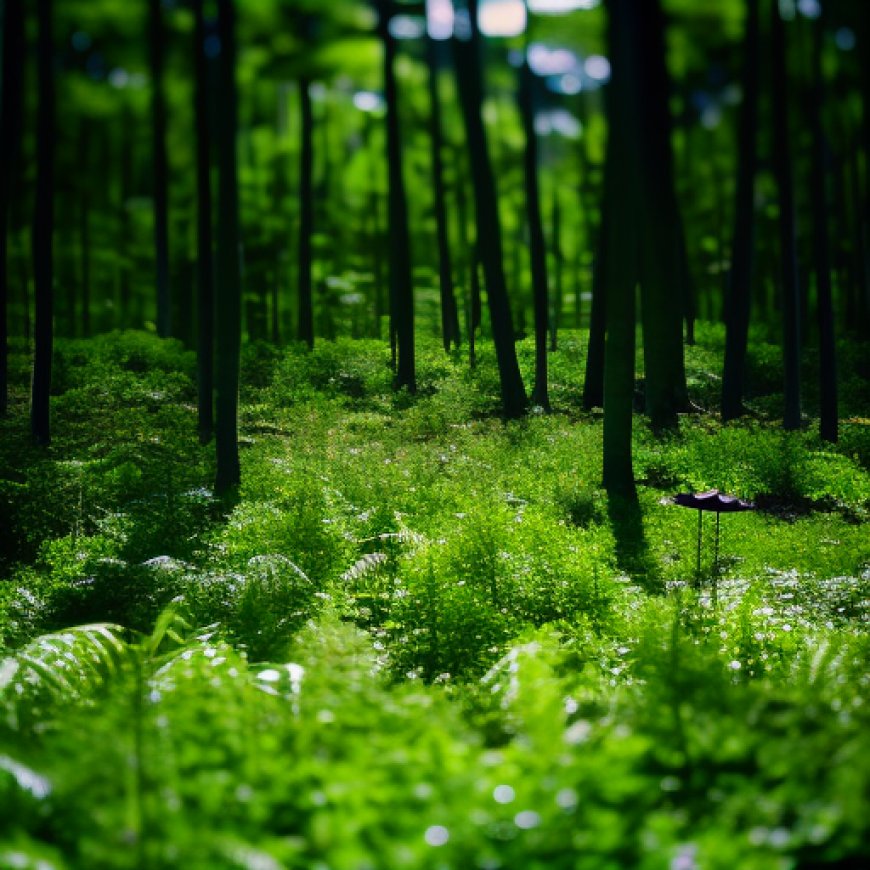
x: 711, y: 500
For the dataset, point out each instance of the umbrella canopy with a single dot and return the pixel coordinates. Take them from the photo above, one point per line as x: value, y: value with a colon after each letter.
x: 717, y: 502
x: 713, y: 500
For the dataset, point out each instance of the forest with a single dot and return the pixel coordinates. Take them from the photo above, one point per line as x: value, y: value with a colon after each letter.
x: 435, y: 434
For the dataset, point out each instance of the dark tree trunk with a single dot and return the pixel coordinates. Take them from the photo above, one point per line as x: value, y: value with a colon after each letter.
x: 204, y: 246
x: 622, y: 248
x: 125, y: 318
x: 85, y: 225
x: 401, y: 282
x: 739, y: 299
x: 558, y: 270
x: 449, y: 313
x: 787, y: 230
x: 593, y: 384
x: 660, y: 264
x: 537, y: 248
x: 156, y: 40
x: 43, y: 228
x: 824, y: 305
x: 489, y: 242
x: 10, y: 151
x: 228, y: 296
x: 306, y: 215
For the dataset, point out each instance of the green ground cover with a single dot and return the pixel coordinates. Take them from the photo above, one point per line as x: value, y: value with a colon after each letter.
x: 421, y: 636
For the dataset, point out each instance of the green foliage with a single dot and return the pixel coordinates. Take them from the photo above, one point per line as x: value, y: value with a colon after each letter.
x: 432, y: 640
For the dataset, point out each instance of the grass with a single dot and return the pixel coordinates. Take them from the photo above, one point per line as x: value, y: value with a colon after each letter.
x: 422, y: 637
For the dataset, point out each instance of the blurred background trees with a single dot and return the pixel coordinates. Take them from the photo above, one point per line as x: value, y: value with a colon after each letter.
x: 383, y: 178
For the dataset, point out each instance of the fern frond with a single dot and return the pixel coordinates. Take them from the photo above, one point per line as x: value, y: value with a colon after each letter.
x: 364, y: 567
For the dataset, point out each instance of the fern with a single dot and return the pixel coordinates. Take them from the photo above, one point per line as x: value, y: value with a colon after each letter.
x: 366, y: 566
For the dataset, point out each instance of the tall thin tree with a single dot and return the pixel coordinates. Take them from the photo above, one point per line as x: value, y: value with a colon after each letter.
x: 156, y: 44
x: 305, y: 326
x: 449, y: 313
x: 828, y: 427
x: 10, y: 150
x: 401, y: 281
x: 204, y: 246
x: 467, y: 53
x: 739, y: 299
x: 622, y: 251
x: 228, y: 295
x: 43, y: 228
x: 537, y: 247
x: 787, y: 229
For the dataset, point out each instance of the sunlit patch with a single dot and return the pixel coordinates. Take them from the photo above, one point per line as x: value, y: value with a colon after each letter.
x: 368, y: 101
x: 406, y: 27
x: 436, y: 835
x: 439, y: 19
x: 502, y: 17
x: 557, y: 7
x: 503, y: 794
x: 546, y: 61
x: 527, y: 819
x: 597, y: 67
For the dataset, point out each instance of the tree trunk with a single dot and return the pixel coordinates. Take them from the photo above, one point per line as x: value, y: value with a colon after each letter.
x: 622, y: 248
x: 228, y: 296
x: 10, y: 152
x: 489, y: 243
x: 593, y: 385
x: 537, y: 248
x: 824, y: 307
x: 787, y: 230
x: 204, y: 246
x: 661, y: 268
x: 449, y: 313
x: 306, y: 215
x: 160, y: 169
x: 401, y: 281
x: 739, y: 299
x: 43, y: 228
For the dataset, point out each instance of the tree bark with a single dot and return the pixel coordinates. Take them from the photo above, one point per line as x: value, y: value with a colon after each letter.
x: 489, y: 242
x: 10, y: 152
x: 401, y: 281
x: 449, y: 314
x: 738, y: 302
x: 537, y: 247
x: 622, y: 248
x: 160, y: 169
x: 828, y: 425
x: 204, y: 246
x: 306, y: 214
x: 43, y: 228
x: 787, y: 230
x: 228, y: 296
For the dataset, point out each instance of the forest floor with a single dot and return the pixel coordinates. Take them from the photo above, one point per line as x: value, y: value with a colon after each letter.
x: 421, y: 636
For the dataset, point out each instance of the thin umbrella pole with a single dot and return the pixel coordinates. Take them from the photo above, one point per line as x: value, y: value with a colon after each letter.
x: 716, y: 549
x: 700, y: 529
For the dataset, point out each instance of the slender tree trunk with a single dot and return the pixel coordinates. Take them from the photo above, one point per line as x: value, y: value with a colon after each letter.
x: 125, y: 318
x: 593, y: 384
x: 449, y: 314
x: 306, y: 215
x: 489, y: 242
x: 738, y: 302
x: 85, y: 226
x: 558, y: 270
x: 622, y: 248
x: 787, y: 230
x: 660, y: 264
x: 204, y: 246
x: 401, y: 281
x: 537, y: 247
x: 228, y: 296
x: 824, y: 305
x: 10, y: 151
x: 161, y: 170
x: 43, y: 228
